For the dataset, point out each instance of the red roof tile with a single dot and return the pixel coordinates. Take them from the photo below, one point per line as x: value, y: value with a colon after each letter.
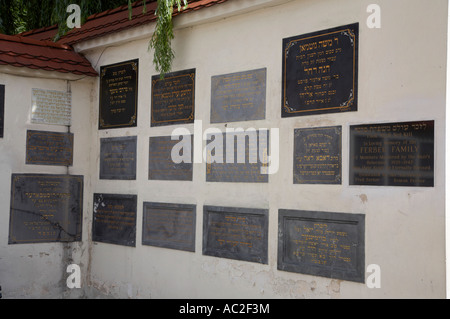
x: 44, y: 55
x: 113, y: 20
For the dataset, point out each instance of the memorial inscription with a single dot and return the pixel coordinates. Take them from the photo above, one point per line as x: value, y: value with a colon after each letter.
x: 114, y: 219
x: 51, y: 107
x: 317, y: 155
x: 2, y: 109
x: 392, y: 154
x: 49, y: 148
x: 118, y: 158
x: 238, y: 157
x: 238, y: 96
x: 173, y: 98
x: 322, y: 244
x: 320, y: 72
x: 45, y: 208
x: 236, y: 233
x: 161, y: 164
x: 169, y: 226
x: 119, y: 95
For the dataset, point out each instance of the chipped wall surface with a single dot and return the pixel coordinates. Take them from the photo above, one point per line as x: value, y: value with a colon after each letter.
x: 400, y: 79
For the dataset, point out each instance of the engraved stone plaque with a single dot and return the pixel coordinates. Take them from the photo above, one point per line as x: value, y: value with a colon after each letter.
x: 392, y: 154
x: 320, y: 72
x: 238, y: 96
x: 118, y: 158
x: 236, y: 233
x: 238, y: 157
x: 49, y: 148
x: 114, y: 219
x: 173, y: 98
x: 161, y: 164
x: 2, y: 109
x: 51, y: 107
x: 45, y: 208
x: 119, y: 95
x: 317, y: 155
x: 322, y: 244
x: 169, y: 226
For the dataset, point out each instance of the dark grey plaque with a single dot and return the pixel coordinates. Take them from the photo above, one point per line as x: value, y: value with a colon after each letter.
x: 322, y: 244
x: 392, y: 154
x: 236, y: 233
x: 318, y: 155
x: 161, y: 164
x: 45, y: 208
x: 114, y: 220
x: 2, y: 109
x: 169, y: 226
x: 119, y: 95
x: 118, y: 158
x: 238, y: 96
x: 49, y: 148
x: 320, y: 72
x: 173, y: 98
x: 239, y: 157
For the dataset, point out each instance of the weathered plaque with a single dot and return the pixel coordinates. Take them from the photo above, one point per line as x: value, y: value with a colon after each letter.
x: 163, y: 165
x: 114, y: 220
x: 51, y: 107
x: 236, y: 233
x: 49, y: 148
x: 119, y: 95
x: 238, y: 96
x: 45, y: 208
x: 392, y: 154
x: 322, y: 244
x: 318, y: 155
x: 169, y: 226
x: 173, y: 98
x: 2, y: 109
x: 118, y: 158
x: 238, y: 157
x: 320, y: 72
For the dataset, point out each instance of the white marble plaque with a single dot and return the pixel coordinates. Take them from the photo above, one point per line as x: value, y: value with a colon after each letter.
x: 51, y: 107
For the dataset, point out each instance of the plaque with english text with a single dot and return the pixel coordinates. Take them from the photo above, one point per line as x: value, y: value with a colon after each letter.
x: 320, y: 72
x: 173, y: 98
x: 236, y: 233
x: 45, y: 208
x: 119, y: 95
x: 169, y: 225
x: 114, y: 219
x: 392, y: 154
x: 322, y: 244
x: 49, y: 148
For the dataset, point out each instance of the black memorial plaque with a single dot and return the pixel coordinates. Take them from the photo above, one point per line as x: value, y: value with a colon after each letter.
x: 238, y: 157
x: 392, y: 154
x: 2, y: 109
x: 119, y: 95
x: 161, y: 164
x: 45, y: 208
x: 114, y: 220
x: 118, y: 158
x: 322, y: 244
x: 320, y: 72
x: 173, y: 98
x: 49, y: 148
x: 236, y: 233
x: 318, y: 155
x: 169, y: 226
x: 238, y: 96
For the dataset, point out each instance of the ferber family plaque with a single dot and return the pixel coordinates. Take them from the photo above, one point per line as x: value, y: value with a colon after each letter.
x: 236, y: 233
x: 119, y: 95
x: 45, y: 208
x: 322, y: 244
x: 392, y: 154
x: 49, y: 148
x: 320, y: 72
